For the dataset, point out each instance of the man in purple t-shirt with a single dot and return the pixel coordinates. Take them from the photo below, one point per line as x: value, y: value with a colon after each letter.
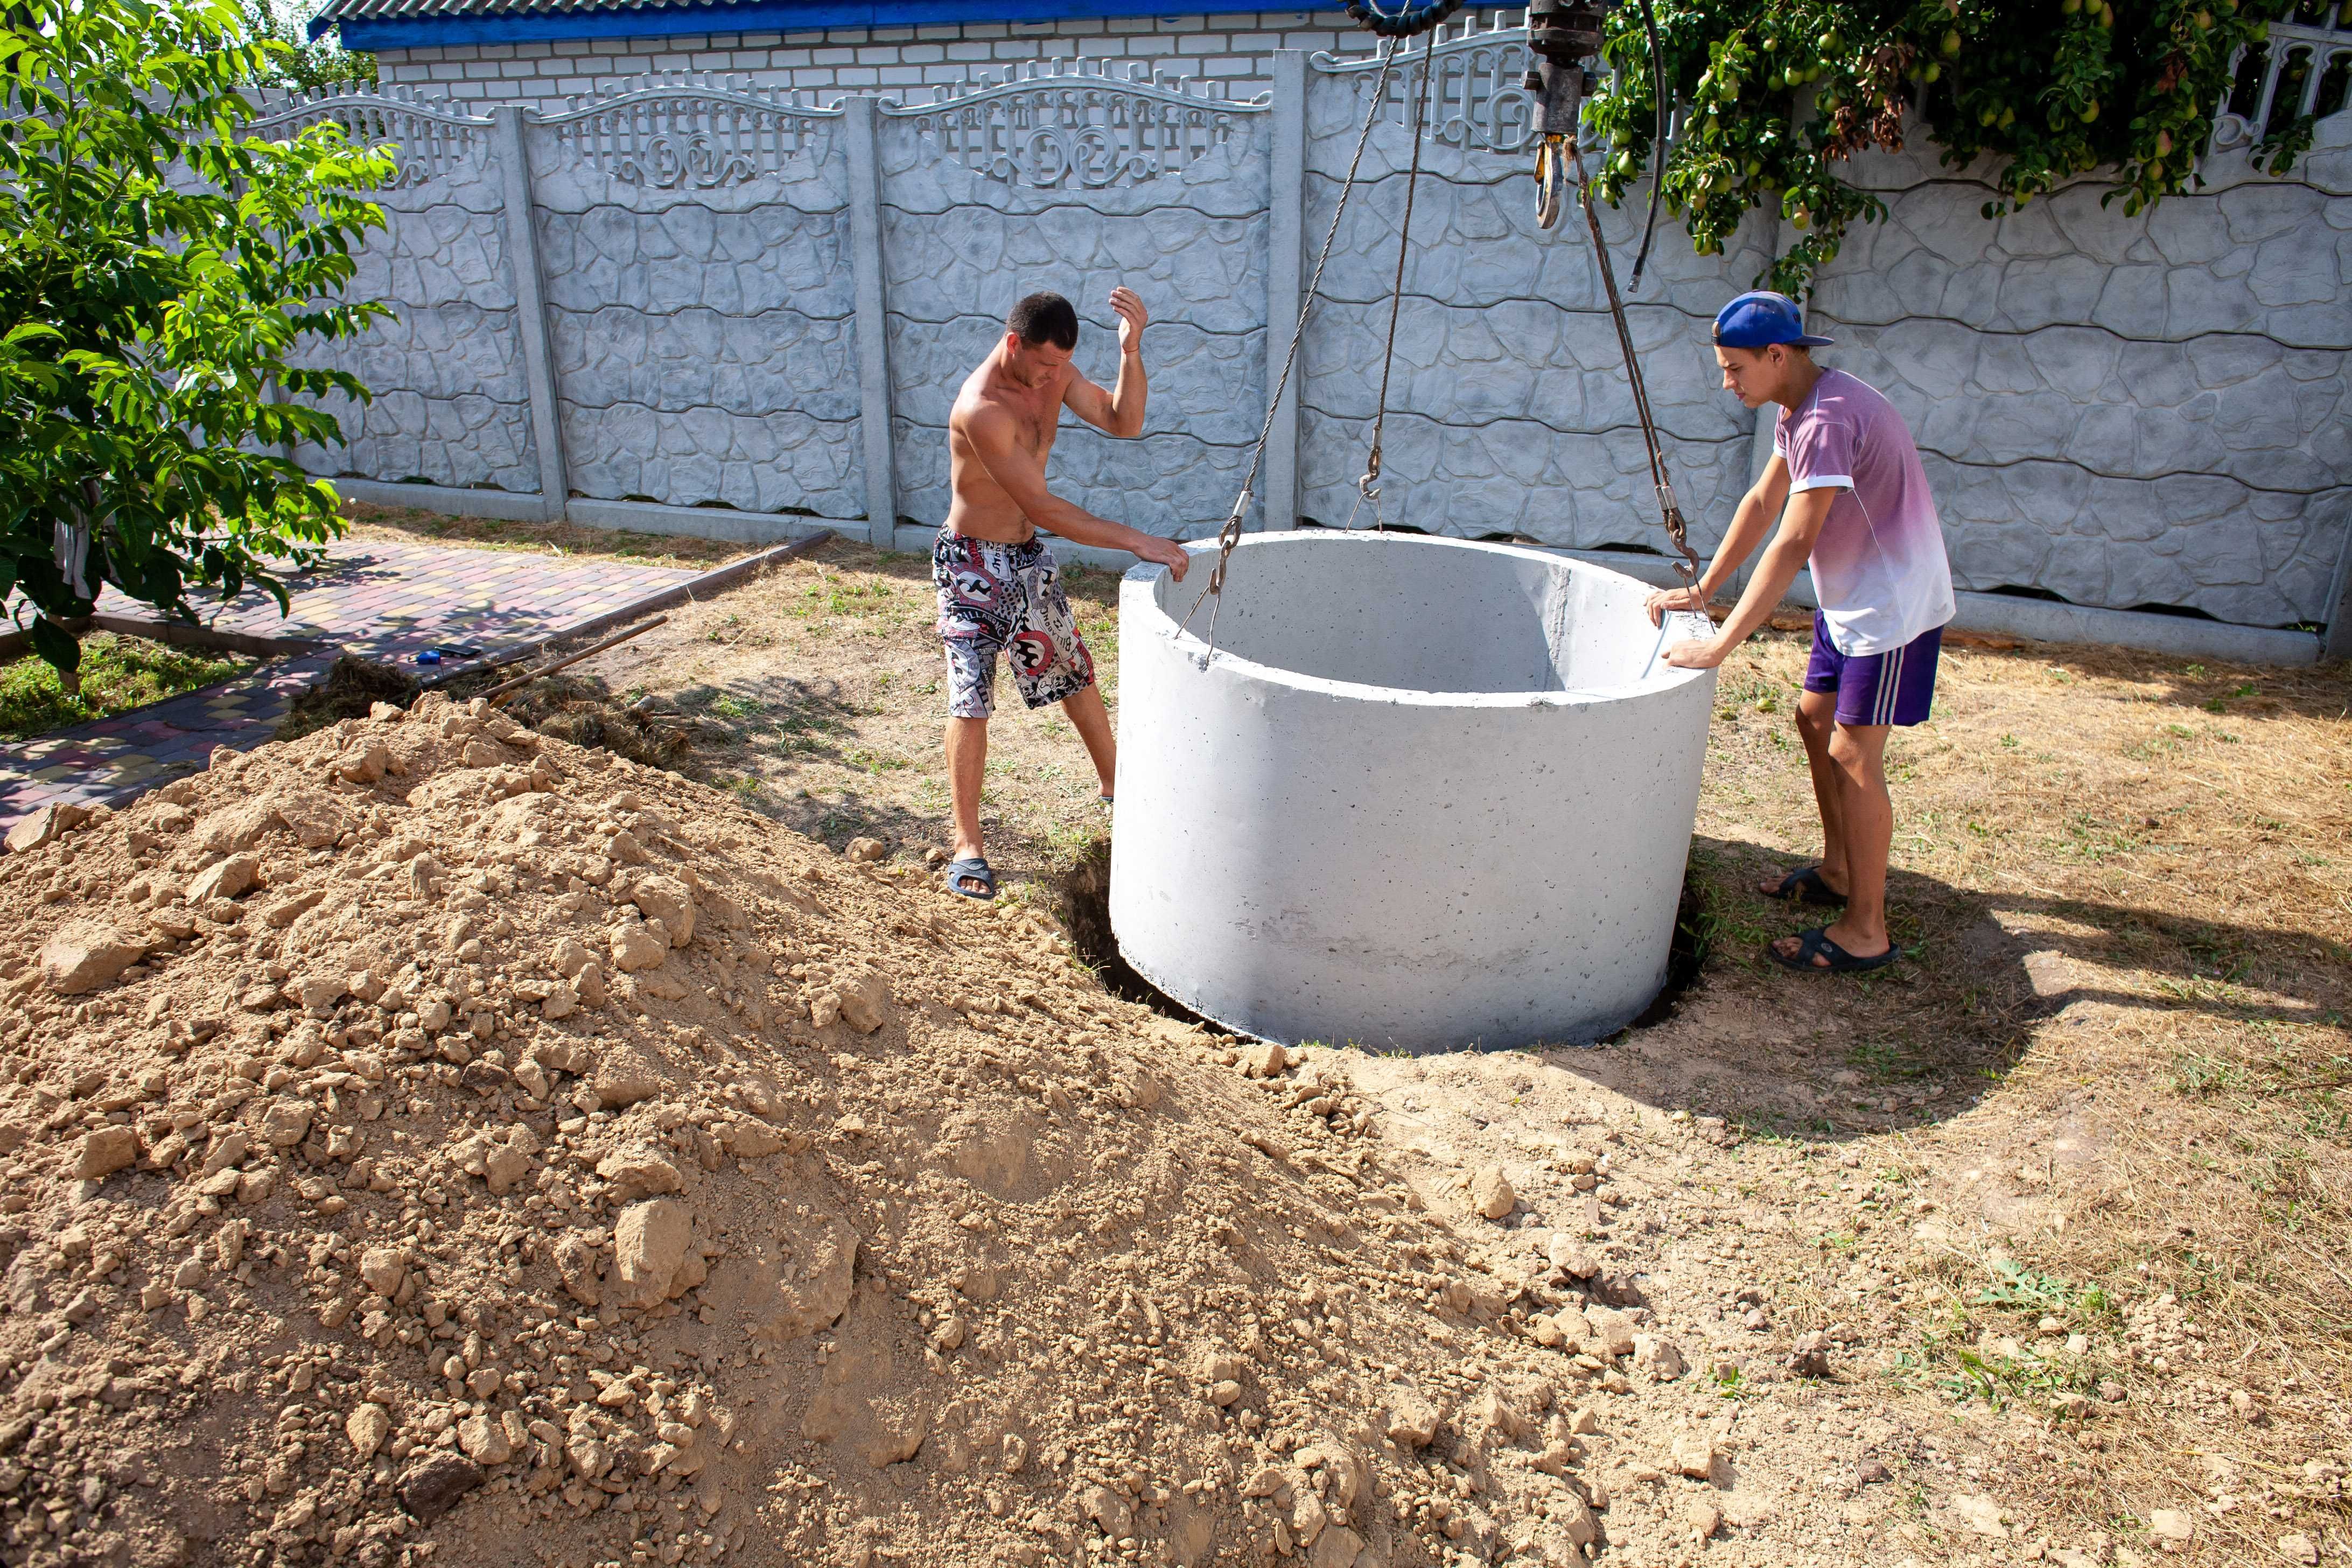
x: 1852, y: 500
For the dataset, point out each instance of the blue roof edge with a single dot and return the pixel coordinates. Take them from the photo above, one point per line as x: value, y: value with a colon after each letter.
x: 376, y: 34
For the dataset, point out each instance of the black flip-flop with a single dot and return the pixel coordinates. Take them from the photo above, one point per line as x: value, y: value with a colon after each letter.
x: 1804, y: 886
x: 1816, y: 943
x: 976, y: 868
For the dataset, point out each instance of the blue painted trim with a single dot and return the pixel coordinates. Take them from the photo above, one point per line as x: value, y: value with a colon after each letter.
x: 374, y: 34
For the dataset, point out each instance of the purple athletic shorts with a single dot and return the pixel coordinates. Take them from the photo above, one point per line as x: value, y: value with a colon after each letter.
x: 1896, y: 687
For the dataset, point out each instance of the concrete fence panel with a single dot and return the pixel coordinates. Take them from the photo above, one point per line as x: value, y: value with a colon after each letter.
x: 1079, y: 184
x: 451, y: 406
x: 699, y: 302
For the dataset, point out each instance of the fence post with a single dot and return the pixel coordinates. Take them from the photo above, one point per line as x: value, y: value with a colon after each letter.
x: 873, y: 356
x: 530, y: 309
x: 1285, y: 265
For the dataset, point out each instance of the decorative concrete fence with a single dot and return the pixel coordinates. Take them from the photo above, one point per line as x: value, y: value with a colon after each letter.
x: 695, y: 308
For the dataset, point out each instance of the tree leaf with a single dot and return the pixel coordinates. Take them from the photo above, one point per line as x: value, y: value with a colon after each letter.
x: 58, y: 647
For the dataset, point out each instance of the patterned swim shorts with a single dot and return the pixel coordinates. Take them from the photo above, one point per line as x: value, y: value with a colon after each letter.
x: 1005, y: 597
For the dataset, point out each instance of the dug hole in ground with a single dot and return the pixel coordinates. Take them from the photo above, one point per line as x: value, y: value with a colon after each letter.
x: 431, y: 1140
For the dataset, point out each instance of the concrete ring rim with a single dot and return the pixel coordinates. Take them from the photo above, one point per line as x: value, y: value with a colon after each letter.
x: 1194, y: 648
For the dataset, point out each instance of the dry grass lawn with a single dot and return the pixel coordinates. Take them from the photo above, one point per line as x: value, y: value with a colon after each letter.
x: 2104, y: 1105
x: 2125, y: 885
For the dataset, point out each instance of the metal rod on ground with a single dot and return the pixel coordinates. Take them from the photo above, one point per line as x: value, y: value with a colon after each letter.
x: 501, y: 692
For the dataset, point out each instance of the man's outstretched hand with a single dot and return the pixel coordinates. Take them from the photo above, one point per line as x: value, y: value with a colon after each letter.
x: 1697, y: 653
x: 1165, y: 552
x: 1132, y: 319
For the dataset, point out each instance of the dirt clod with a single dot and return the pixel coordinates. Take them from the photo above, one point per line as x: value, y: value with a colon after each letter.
x: 1491, y: 1193
x: 433, y: 1487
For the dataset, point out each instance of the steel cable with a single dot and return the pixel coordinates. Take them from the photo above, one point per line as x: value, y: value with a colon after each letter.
x: 1231, y: 534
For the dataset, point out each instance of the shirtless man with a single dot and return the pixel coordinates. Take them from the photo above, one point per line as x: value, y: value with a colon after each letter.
x: 999, y: 588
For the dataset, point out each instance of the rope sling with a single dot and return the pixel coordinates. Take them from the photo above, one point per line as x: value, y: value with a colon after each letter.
x: 1549, y: 158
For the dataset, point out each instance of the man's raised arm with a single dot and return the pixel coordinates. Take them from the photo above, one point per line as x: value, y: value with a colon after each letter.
x: 1019, y: 476
x: 1119, y: 411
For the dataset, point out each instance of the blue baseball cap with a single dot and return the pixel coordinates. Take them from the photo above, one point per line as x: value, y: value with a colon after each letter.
x: 1759, y: 319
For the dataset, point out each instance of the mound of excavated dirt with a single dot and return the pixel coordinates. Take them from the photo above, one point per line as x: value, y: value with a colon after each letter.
x: 428, y: 1139
x: 578, y: 709
x: 353, y: 686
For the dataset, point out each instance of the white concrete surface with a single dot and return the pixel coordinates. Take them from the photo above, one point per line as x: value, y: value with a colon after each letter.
x: 1427, y: 793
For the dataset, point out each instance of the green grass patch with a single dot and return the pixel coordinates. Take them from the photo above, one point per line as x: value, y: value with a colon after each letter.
x: 2195, y: 1077
x: 118, y: 673
x: 2022, y: 1289
x: 1886, y: 1062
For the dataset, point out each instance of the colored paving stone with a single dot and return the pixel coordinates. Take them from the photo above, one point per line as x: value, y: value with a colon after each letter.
x: 374, y: 598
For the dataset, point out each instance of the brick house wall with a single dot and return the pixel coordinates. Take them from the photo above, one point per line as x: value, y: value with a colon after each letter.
x: 1231, y: 53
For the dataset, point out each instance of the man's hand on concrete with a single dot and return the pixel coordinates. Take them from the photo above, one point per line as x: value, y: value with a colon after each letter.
x: 1165, y: 552
x: 1132, y: 318
x: 1669, y: 600
x: 1697, y: 653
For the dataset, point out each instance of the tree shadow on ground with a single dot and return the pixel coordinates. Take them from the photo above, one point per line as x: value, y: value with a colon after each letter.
x: 1825, y: 1058
x: 751, y: 733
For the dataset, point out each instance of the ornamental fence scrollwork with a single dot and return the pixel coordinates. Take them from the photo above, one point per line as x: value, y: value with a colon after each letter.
x: 691, y: 135
x: 431, y: 139
x: 1475, y: 97
x: 1082, y: 128
x: 2299, y: 74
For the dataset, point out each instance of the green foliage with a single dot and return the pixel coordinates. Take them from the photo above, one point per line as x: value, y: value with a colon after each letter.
x: 158, y: 271
x: 305, y: 66
x: 2029, y: 1290
x: 117, y: 673
x: 1780, y: 95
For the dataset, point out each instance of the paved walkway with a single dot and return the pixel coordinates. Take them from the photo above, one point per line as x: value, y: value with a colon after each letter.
x: 380, y: 599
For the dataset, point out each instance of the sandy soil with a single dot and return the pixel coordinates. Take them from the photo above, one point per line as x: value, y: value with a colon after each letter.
x: 2028, y: 1251
x: 2103, y: 1096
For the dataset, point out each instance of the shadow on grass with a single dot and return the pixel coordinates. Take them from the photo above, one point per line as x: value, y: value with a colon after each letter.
x: 1917, y: 1043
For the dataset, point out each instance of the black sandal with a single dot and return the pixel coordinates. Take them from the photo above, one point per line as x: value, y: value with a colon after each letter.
x: 975, y: 869
x: 1816, y: 943
x: 1804, y: 886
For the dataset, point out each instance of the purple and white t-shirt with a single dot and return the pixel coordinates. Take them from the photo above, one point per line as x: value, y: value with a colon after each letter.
x: 1879, y: 567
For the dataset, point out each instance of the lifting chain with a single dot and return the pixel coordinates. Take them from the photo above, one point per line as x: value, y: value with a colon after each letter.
x: 1561, y: 35
x: 1556, y: 145
x: 1231, y: 534
x: 1669, y: 511
x: 1368, y: 487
